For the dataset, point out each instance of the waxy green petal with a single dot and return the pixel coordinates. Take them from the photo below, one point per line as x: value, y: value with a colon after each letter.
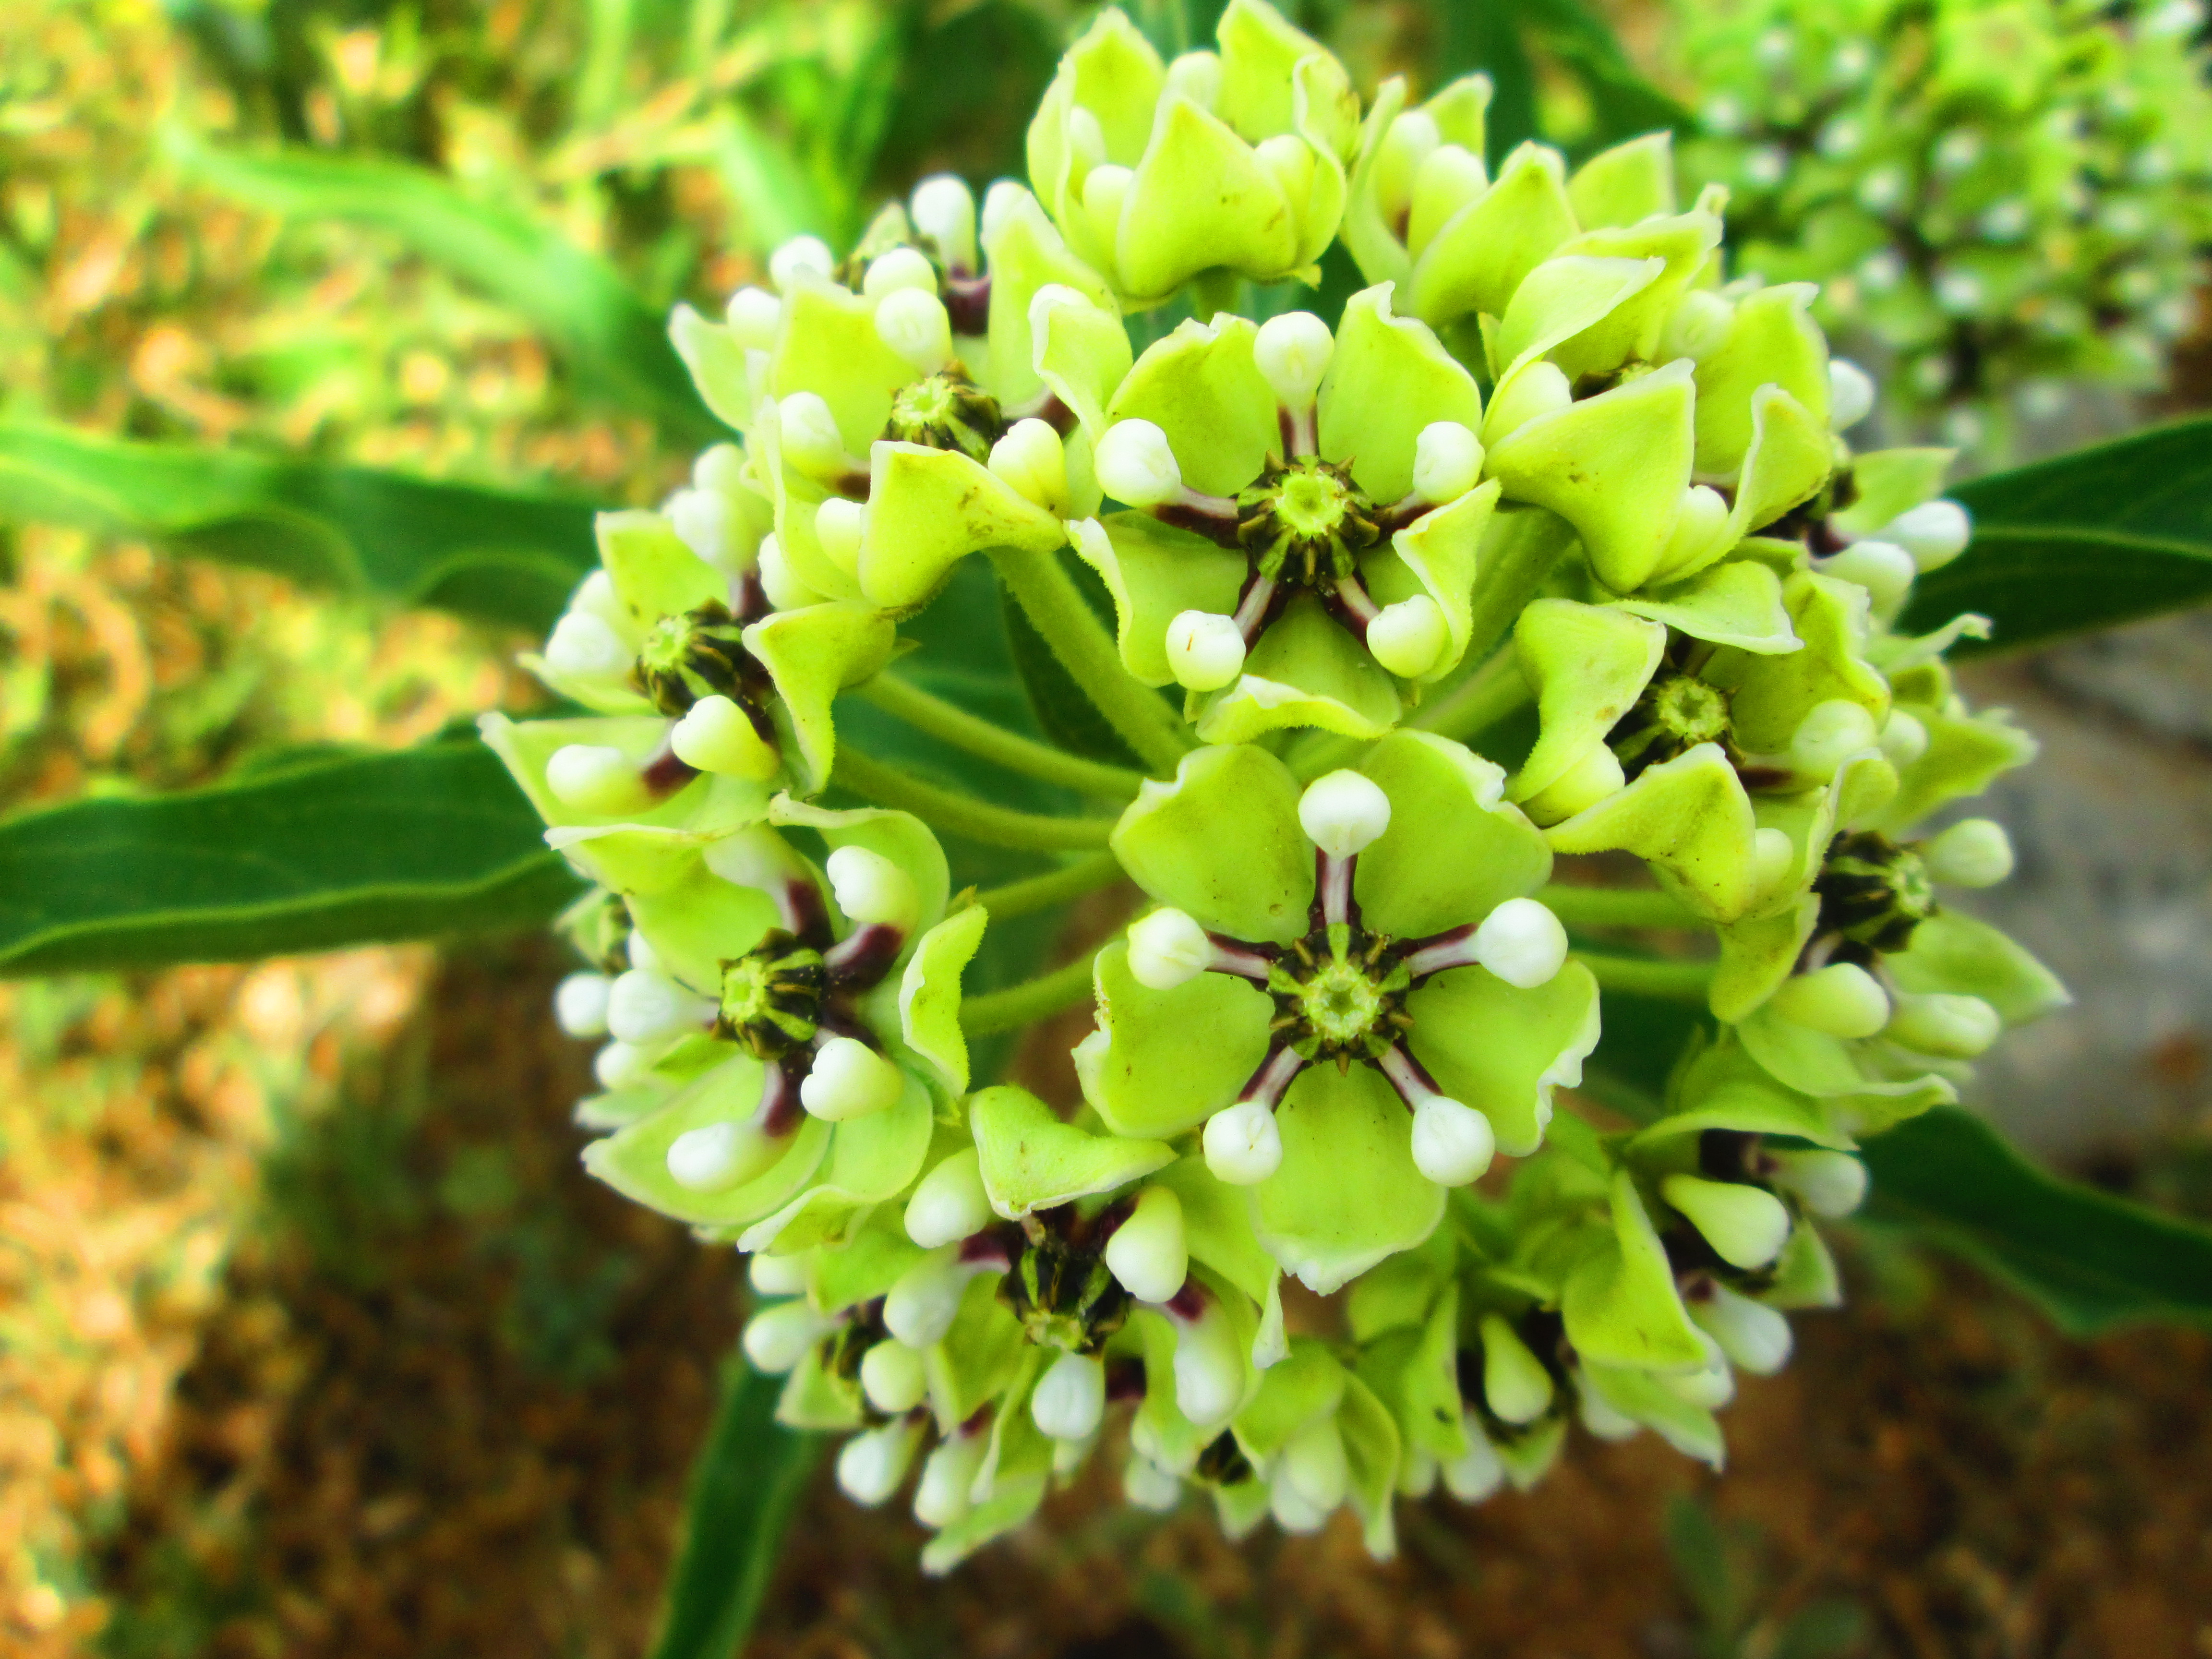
x: 635, y: 1161
x: 1621, y: 1306
x: 1503, y: 1050
x: 1587, y: 664
x: 1961, y: 955
x: 1032, y: 1161
x: 827, y: 344
x: 1389, y: 378
x: 928, y: 509
x: 1480, y: 258
x: 872, y: 1159
x: 929, y: 994
x: 1162, y: 1062
x: 1201, y: 386
x: 1201, y: 200
x: 813, y: 654
x: 1770, y: 342
x: 1156, y: 572
x: 1626, y: 184
x: 1737, y: 603
x: 1455, y: 849
x: 1304, y: 671
x: 1444, y: 550
x: 1222, y: 841
x: 1773, y: 694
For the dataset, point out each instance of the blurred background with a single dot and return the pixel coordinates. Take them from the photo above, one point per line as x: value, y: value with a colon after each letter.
x: 313, y: 1338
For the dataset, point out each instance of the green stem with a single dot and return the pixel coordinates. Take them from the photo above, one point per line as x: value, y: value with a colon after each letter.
x: 1055, y: 605
x: 1644, y: 976
x: 1032, y: 999
x: 964, y: 815
x: 1615, y: 906
x: 1018, y: 898
x: 927, y: 711
x: 1489, y: 694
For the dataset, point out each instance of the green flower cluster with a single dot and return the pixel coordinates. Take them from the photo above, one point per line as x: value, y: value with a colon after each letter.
x: 1549, y: 546
x: 2003, y: 198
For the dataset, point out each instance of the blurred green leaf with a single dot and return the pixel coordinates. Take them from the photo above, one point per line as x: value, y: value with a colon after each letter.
x: 2106, y: 535
x: 485, y: 554
x: 1622, y: 102
x: 308, y: 855
x: 744, y: 1488
x: 1485, y: 35
x: 1064, y: 714
x: 611, y: 339
x: 2087, y: 1259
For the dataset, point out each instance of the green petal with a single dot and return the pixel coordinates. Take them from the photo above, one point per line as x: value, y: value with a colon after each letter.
x: 1260, y: 53
x: 1736, y: 604
x: 1621, y: 1306
x: 718, y: 365
x: 1874, y: 1084
x: 1615, y: 467
x: 701, y: 922
x: 1081, y: 352
x: 928, y: 509
x: 1304, y: 671
x: 1444, y: 550
x: 1032, y: 1161
x: 1201, y: 386
x: 1155, y: 573
x: 1888, y: 481
x: 827, y: 344
x: 1557, y: 301
x: 1758, y: 953
x: 635, y: 1161
x: 1791, y: 455
x: 1007, y: 1508
x: 1200, y: 201
x: 979, y: 1358
x: 1307, y: 1385
x: 1641, y: 1397
x: 1773, y: 694
x: 797, y: 499
x: 1368, y: 235
x: 1966, y: 754
x: 1483, y: 254
x: 1162, y: 1062
x: 869, y: 1264
x: 1628, y: 183
x: 1223, y: 843
x: 1503, y: 1050
x: 1347, y: 1194
x: 1415, y: 1371
x: 1389, y: 378
x: 929, y: 994
x: 654, y: 572
x: 1772, y: 341
x: 1962, y: 955
x: 871, y: 1159
x: 903, y: 838
x: 1630, y: 332
x: 811, y: 654
x: 1372, y: 1449
x: 1217, y: 1224
x: 1587, y: 664
x: 1723, y: 1088
x: 1688, y: 817
x: 1443, y: 796
x: 1024, y: 253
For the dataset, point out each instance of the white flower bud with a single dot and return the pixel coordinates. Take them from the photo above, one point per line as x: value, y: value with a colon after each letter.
x: 1453, y: 1143
x: 1294, y: 1512
x: 595, y: 595
x: 943, y: 208
x: 591, y: 779
x: 1701, y: 522
x: 1031, y: 461
x: 1883, y: 568
x: 1830, y: 1184
x: 999, y: 201
x: 1515, y: 1383
x: 898, y: 268
x: 1764, y: 165
x: 1416, y: 1471
x: 754, y: 315
x: 1149, y: 1486
x: 871, y: 888
x: 1830, y: 735
x: 1447, y: 461
x: 1209, y: 1370
x: 1971, y: 853
x: 1408, y: 638
x: 1135, y: 464
x: 1904, y: 737
x: 777, y: 1338
x: 1710, y: 1388
x: 1961, y: 292
x: 809, y: 434
x: 785, y: 591
x: 1934, y: 532
x: 584, y: 647
x: 949, y: 1203
x: 850, y: 1079
x: 1602, y: 1419
x: 1881, y: 270
x: 1291, y: 352
x: 1539, y: 389
x: 1754, y: 1337
x: 705, y: 521
x: 619, y: 1064
x: 1590, y: 779
x: 1086, y: 138
x: 1521, y: 942
x: 1722, y: 114
x: 1206, y: 651
x: 580, y: 1005
x: 643, y: 1007
x: 871, y: 1466
x: 717, y: 1157
x: 1841, y: 138
x: 1946, y: 1027
x: 1343, y: 813
x: 798, y: 260
x: 913, y: 322
x: 1850, y: 393
x: 1746, y: 1226
x: 1842, y: 1001
x: 1196, y: 75
x: 777, y: 1276
x: 1104, y: 189
x: 921, y: 1305
x: 1289, y: 161
x: 941, y: 1496
x: 1313, y: 1462
x: 1412, y: 136
x: 841, y: 526
x: 893, y: 1377
x: 1243, y: 1145
x: 1070, y: 1398
x: 1148, y: 1253
x: 1447, y: 179
x: 1699, y: 326
x: 1478, y: 1471
x: 1168, y: 948
x: 716, y: 735
x: 1773, y: 855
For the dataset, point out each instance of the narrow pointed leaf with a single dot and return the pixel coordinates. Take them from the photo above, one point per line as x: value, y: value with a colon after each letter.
x: 492, y: 555
x: 2106, y: 535
x: 310, y: 855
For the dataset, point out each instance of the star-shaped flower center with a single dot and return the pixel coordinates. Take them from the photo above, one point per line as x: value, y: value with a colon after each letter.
x: 946, y: 411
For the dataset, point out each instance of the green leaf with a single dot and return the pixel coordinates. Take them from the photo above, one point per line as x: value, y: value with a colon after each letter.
x: 1623, y: 104
x: 744, y: 1489
x: 2103, y: 536
x: 490, y: 555
x: 310, y: 855
x: 1066, y: 716
x: 612, y: 339
x: 1485, y: 35
x: 2087, y: 1259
